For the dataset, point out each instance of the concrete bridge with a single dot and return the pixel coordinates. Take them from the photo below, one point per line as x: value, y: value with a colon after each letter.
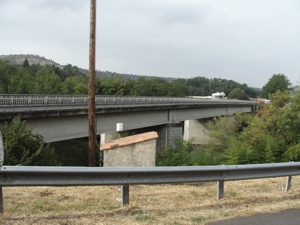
x: 58, y: 117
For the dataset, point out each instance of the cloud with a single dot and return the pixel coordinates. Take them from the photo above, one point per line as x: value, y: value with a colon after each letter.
x: 245, y: 41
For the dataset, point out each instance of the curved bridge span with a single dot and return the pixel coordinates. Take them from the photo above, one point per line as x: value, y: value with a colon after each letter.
x: 60, y: 117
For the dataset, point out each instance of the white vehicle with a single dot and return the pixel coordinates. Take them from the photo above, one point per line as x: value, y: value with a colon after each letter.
x: 218, y: 95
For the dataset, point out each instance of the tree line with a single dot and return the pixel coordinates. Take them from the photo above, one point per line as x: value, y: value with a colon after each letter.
x: 269, y: 135
x: 69, y: 80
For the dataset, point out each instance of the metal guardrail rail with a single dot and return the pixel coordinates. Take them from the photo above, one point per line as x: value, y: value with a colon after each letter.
x: 29, y: 102
x: 12, y: 176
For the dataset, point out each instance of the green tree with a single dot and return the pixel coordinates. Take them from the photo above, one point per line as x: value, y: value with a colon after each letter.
x: 239, y: 94
x: 198, y: 86
x: 23, y: 147
x: 47, y: 82
x: 129, y: 88
x: 142, y: 87
x: 75, y: 85
x: 68, y: 71
x: 158, y: 87
x: 110, y: 86
x: 177, y: 89
x: 271, y: 135
x: 22, y: 82
x: 6, y: 72
x: 224, y: 128
x: 26, y: 63
x: 275, y: 83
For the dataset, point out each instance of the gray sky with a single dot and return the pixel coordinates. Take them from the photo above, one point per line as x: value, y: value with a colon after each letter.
x: 242, y: 40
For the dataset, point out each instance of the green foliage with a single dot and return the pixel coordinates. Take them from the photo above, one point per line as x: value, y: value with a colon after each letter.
x: 21, y: 82
x: 201, y: 86
x: 177, y: 88
x: 37, y: 79
x: 175, y: 155
x: 46, y: 82
x: 110, y: 86
x: 238, y: 93
x: 6, y: 72
x: 77, y: 85
x: 272, y: 135
x: 225, y: 127
x: 50, y: 79
x: 184, y: 153
x: 23, y: 147
x: 293, y: 153
x: 240, y: 153
x: 25, y: 63
x: 69, y: 71
x: 275, y: 83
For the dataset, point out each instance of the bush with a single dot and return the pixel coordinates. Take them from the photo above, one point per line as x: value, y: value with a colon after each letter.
x: 22, y: 147
x: 293, y: 153
x: 184, y: 153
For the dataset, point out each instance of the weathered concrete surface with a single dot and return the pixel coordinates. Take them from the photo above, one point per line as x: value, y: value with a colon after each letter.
x: 196, y: 130
x: 137, y: 150
x: 168, y: 134
x: 58, y: 128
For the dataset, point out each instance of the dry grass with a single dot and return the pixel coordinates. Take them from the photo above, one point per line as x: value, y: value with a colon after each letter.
x: 154, y: 204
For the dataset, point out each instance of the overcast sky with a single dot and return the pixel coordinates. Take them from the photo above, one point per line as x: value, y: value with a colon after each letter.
x: 242, y: 40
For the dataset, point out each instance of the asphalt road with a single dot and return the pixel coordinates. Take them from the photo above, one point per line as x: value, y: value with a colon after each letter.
x: 286, y: 217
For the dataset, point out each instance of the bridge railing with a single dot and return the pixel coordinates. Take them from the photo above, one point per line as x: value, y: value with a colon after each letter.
x: 13, y: 176
x: 28, y: 101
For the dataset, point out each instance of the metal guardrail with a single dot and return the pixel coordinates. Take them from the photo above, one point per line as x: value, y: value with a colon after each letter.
x: 29, y: 102
x: 12, y: 176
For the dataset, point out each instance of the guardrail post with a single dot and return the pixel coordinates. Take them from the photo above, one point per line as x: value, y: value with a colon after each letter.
x: 1, y: 201
x: 288, y: 183
x: 220, y: 189
x: 125, y: 195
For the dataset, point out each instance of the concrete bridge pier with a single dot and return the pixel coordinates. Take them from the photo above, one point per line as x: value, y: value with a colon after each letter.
x: 196, y: 130
x: 168, y: 134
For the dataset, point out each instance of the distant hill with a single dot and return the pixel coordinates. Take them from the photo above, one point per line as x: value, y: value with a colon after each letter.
x: 36, y: 59
x: 32, y: 59
x: 107, y: 74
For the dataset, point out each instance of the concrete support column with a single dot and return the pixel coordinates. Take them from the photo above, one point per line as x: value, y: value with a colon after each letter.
x: 167, y: 135
x: 196, y: 130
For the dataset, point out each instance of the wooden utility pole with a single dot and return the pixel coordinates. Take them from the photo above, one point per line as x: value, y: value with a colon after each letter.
x: 91, y: 111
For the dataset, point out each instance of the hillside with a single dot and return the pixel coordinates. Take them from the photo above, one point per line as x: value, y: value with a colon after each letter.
x: 32, y: 59
x: 36, y: 59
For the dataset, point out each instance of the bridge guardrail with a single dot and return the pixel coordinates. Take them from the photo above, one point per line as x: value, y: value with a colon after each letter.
x: 29, y: 101
x: 12, y: 176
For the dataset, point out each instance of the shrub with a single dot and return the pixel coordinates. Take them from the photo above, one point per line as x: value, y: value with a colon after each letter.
x: 23, y: 147
x: 184, y: 153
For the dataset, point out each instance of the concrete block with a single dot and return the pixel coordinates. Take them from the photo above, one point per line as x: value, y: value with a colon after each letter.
x: 136, y: 150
